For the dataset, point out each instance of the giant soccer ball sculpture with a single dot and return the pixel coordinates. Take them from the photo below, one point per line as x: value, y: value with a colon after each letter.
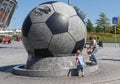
x: 52, y: 32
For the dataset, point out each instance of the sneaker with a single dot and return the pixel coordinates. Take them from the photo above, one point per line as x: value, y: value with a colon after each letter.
x: 79, y: 74
x: 82, y: 74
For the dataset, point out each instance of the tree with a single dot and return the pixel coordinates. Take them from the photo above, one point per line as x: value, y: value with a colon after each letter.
x: 103, y: 22
x: 98, y: 29
x: 109, y: 29
x: 118, y: 28
x: 89, y: 26
x: 80, y: 13
x: 112, y: 29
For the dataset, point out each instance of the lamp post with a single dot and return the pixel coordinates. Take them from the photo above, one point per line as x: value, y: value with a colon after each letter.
x: 115, y: 36
x: 69, y: 2
x: 115, y: 21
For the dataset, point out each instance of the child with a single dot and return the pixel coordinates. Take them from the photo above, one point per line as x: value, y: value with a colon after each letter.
x: 80, y: 63
x: 89, y: 52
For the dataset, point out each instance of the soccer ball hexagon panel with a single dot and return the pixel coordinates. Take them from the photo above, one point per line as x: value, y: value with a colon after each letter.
x: 64, y: 9
x: 62, y: 44
x: 41, y: 13
x: 39, y: 33
x: 50, y: 30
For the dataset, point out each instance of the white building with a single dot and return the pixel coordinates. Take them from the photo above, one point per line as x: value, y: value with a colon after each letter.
x: 10, y: 32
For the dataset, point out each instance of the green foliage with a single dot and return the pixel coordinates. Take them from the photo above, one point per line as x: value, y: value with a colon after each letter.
x: 118, y: 29
x: 111, y: 40
x: 80, y: 13
x: 98, y: 29
x: 108, y: 29
x: 105, y: 37
x: 89, y: 26
x: 112, y: 29
x: 14, y: 37
x: 2, y: 36
x: 102, y: 22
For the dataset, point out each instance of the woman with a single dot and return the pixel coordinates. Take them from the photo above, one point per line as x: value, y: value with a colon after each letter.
x: 93, y: 46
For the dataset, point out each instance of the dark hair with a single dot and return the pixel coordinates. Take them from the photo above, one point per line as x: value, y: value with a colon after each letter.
x: 91, y: 37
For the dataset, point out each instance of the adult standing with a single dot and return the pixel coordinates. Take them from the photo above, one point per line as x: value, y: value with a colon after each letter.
x: 93, y: 47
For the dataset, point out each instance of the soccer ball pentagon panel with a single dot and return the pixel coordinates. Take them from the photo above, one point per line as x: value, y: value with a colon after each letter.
x: 53, y: 29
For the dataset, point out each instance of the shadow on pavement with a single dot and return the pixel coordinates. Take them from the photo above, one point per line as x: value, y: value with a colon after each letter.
x: 12, y: 47
x: 7, y: 68
x: 111, y: 59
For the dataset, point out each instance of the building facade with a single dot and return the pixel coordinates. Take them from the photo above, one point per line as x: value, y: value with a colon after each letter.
x: 7, y: 8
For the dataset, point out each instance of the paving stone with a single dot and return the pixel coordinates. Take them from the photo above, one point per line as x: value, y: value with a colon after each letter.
x: 108, y: 62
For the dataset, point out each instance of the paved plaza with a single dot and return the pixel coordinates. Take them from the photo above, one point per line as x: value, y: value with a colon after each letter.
x: 108, y: 61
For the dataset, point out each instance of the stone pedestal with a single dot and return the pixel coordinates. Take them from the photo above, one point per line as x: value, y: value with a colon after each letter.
x: 51, y: 67
x: 50, y: 63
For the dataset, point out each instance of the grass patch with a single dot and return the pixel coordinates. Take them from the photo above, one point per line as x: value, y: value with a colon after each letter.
x: 111, y: 40
x: 105, y: 37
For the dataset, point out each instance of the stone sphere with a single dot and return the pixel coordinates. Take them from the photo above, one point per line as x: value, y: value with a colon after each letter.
x: 53, y: 29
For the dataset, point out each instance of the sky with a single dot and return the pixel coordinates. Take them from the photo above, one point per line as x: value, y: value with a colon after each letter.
x: 92, y: 9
